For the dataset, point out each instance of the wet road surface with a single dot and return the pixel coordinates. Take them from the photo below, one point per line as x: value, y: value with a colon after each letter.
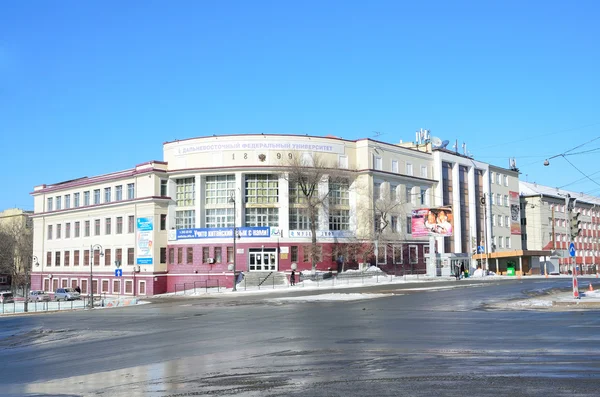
x: 413, y: 342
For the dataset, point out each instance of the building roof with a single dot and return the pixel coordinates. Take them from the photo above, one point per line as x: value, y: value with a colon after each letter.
x: 534, y: 189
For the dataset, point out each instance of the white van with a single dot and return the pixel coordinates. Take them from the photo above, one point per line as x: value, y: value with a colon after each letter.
x: 6, y: 297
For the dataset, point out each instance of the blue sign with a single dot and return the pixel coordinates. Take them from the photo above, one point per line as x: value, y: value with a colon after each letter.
x: 480, y: 249
x: 118, y: 272
x: 223, y: 232
x: 572, y: 249
x: 144, y: 261
x: 144, y: 224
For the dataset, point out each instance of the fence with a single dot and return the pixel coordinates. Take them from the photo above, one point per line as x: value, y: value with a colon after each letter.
x: 20, y: 306
x: 205, y: 284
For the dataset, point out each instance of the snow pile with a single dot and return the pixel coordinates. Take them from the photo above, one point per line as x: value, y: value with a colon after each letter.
x: 331, y: 297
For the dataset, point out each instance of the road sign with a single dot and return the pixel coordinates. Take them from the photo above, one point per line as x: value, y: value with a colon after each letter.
x: 118, y: 272
x: 480, y: 249
x: 572, y: 249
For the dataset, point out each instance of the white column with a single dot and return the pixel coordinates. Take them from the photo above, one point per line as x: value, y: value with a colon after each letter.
x: 199, y: 207
x: 473, y: 203
x: 456, y: 207
x: 239, y: 199
x: 324, y: 210
x: 284, y: 206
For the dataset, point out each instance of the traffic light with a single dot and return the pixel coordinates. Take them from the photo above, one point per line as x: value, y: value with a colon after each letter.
x: 575, y: 225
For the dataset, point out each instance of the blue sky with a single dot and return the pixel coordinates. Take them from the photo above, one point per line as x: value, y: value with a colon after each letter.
x: 97, y: 86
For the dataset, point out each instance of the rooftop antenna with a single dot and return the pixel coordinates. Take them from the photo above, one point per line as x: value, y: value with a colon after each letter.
x: 377, y: 133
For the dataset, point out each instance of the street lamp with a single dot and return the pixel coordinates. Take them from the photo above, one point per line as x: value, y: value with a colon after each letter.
x: 232, y: 200
x: 91, y: 286
x: 34, y: 262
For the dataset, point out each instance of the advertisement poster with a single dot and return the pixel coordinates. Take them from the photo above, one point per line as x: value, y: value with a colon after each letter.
x: 515, y: 213
x: 144, y: 241
x: 432, y: 221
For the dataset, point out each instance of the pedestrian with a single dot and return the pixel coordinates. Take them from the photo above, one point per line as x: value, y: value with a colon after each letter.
x: 457, y: 271
x: 462, y: 270
x: 78, y: 290
x: 293, y: 277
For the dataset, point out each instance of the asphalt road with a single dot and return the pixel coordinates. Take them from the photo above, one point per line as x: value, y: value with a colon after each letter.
x: 413, y: 342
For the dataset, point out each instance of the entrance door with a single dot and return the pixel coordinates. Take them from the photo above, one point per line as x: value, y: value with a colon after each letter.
x: 262, y: 259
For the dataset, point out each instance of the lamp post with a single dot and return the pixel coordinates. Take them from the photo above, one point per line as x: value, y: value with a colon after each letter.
x: 232, y: 200
x: 91, y: 286
x: 34, y: 262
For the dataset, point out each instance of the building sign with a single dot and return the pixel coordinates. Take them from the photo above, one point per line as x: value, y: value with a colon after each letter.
x: 263, y: 144
x: 515, y: 213
x: 222, y: 232
x: 432, y: 222
x: 321, y: 233
x: 145, y: 227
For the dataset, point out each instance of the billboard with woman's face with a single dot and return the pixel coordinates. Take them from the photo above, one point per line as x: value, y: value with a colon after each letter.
x: 432, y: 221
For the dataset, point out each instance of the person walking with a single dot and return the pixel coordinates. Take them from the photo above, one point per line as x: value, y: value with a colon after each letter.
x: 293, y: 278
x: 457, y: 271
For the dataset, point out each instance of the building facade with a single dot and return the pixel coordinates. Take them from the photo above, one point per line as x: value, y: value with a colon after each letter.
x: 17, y: 224
x: 170, y: 225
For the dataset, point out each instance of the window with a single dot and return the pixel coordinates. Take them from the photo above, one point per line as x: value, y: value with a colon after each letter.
x: 500, y: 242
x: 382, y: 254
x: 218, y: 217
x: 377, y: 162
x: 86, y: 198
x: 185, y: 193
x: 107, y: 257
x: 96, y: 196
x: 397, y: 253
x: 119, y: 225
x: 409, y: 169
x: 339, y: 193
x: 163, y: 221
x: 119, y: 192
x: 171, y: 256
x: 76, y: 258
x: 294, y: 253
x: 96, y: 227
x: 507, y: 242
x: 491, y: 199
x: 128, y: 286
x: 163, y: 188
x: 492, y: 177
x: 343, y: 161
x: 505, y: 180
x: 163, y: 254
x: 296, y: 195
x: 130, y: 224
x: 423, y: 171
x: 339, y: 219
x: 409, y: 194
x: 498, y: 199
x: 413, y: 254
x: 377, y: 191
x: 68, y: 230
x: 393, y: 194
x: 500, y: 220
x: 130, y: 255
x: 205, y: 254
x: 423, y: 197
x: 506, y: 200
x: 507, y: 221
x: 130, y: 191
x: 57, y: 258
x: 262, y: 189
x: 218, y: 255
x: 119, y: 255
x: 299, y: 219
x: 408, y: 225
x: 58, y: 231
x: 116, y: 287
x: 67, y: 201
x: 189, y: 258
x: 179, y: 255
x: 394, y: 224
x: 49, y: 204
x: 107, y: 226
x: 96, y: 257
x: 49, y: 258
x: 185, y: 219
x: 67, y: 258
x: 395, y: 166
x: 229, y: 254
x: 76, y: 200
x: 107, y: 194
x: 49, y: 232
x: 262, y: 217
x: 498, y: 176
x: 58, y: 203
x: 219, y: 189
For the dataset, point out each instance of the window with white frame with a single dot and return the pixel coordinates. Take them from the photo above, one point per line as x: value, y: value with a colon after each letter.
x: 185, y: 219
x: 397, y: 254
x: 506, y: 200
x: 58, y: 203
x: 96, y: 196
x: 500, y: 242
x: 492, y: 199
x: 262, y: 217
x: 493, y: 221
x: 498, y: 176
x: 343, y: 161
x: 498, y: 199
x: 492, y: 177
x: 185, y: 192
x: 107, y: 194
x: 130, y: 191
x: 382, y: 254
x: 395, y: 166
x: 296, y: 194
x: 423, y: 171
x: 505, y: 180
x: 423, y: 196
x: 339, y: 219
x: 500, y: 220
x: 413, y: 254
x: 219, y: 217
x: 219, y: 189
x: 409, y: 169
x: 119, y: 192
x: 506, y: 221
x: 49, y: 202
x: 394, y: 224
x: 86, y: 198
x: 508, y: 242
x: 409, y: 197
x: 76, y: 200
x: 393, y: 194
x: 299, y: 219
x: 262, y: 189
x: 339, y: 193
x: 377, y: 162
x: 377, y: 191
x: 67, y: 201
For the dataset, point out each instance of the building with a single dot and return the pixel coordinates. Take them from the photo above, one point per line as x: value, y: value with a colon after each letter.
x: 16, y: 223
x: 546, y: 225
x: 169, y: 225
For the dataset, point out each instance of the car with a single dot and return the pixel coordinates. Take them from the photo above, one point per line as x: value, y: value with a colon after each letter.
x: 39, y: 296
x: 66, y: 294
x: 6, y: 297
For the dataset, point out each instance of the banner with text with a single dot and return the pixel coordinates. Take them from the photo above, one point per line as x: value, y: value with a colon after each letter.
x: 432, y: 221
x: 515, y: 213
x: 222, y: 232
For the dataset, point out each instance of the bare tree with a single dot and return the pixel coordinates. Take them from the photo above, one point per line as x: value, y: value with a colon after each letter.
x: 305, y: 172
x: 16, y: 247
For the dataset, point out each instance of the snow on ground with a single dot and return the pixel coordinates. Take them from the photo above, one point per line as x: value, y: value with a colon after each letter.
x: 331, y: 297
